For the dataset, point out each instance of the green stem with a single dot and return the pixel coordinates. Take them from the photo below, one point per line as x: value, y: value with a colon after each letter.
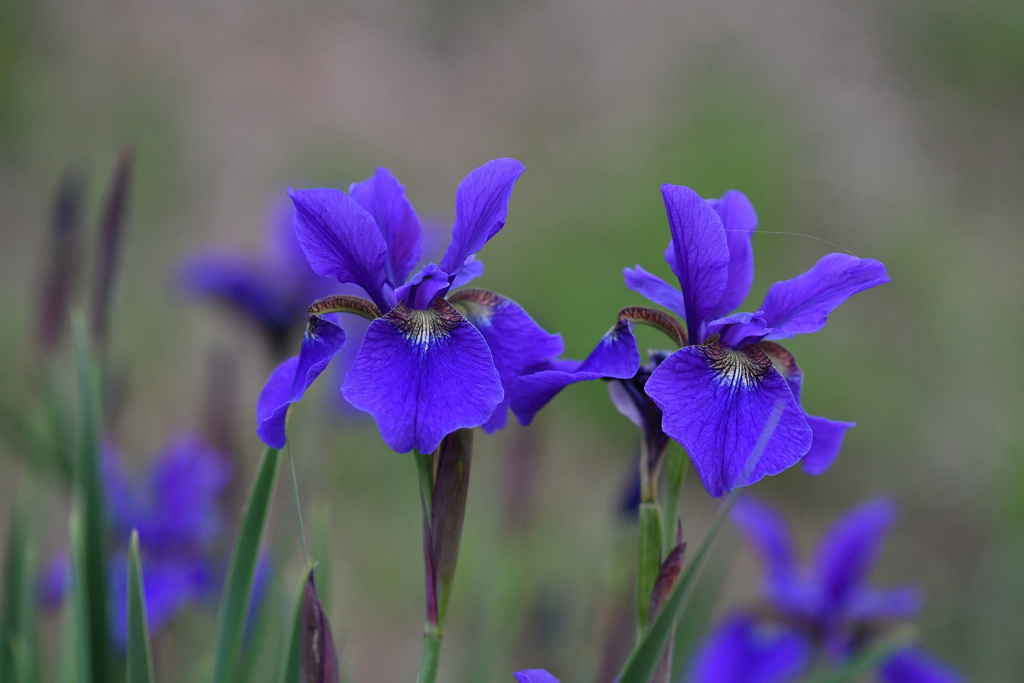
x: 675, y: 471
x: 648, y: 561
x: 431, y: 655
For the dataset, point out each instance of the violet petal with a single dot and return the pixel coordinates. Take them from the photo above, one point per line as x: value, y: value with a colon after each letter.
x: 384, y: 198
x: 515, y: 340
x: 740, y: 222
x: 341, y: 240
x: 616, y: 356
x: 849, y: 550
x: 698, y: 255
x: 732, y: 411
x: 289, y: 380
x: 655, y: 289
x: 802, y: 305
x: 914, y: 665
x: 743, y: 651
x: 481, y: 204
x: 534, y: 676
x: 422, y: 374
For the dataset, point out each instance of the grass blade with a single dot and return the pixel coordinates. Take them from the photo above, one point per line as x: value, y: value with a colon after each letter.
x: 644, y: 659
x: 234, y: 605
x: 19, y: 659
x: 139, y: 659
x: 91, y: 556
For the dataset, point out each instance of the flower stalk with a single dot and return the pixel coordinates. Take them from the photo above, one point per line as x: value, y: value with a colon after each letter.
x: 444, y: 484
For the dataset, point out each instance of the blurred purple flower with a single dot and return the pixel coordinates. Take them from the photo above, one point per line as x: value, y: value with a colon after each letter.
x: 176, y: 509
x: 742, y: 650
x: 425, y: 368
x: 825, y: 605
x: 534, y: 676
x: 272, y: 289
x: 830, y: 596
x: 721, y: 396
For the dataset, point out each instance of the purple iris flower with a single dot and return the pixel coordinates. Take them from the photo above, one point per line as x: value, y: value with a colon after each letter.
x: 721, y: 394
x: 176, y: 510
x: 272, y: 289
x: 430, y: 362
x: 825, y: 605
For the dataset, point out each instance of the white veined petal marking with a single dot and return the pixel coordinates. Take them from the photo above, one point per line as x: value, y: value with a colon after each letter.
x: 737, y: 367
x: 423, y: 327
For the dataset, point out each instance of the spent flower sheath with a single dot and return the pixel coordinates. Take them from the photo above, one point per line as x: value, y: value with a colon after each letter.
x: 730, y: 384
x: 432, y: 361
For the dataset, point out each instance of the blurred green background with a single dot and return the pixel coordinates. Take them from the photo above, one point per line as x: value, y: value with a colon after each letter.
x: 892, y: 130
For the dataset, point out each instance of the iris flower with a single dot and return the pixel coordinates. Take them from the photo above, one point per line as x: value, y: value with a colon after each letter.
x: 732, y: 393
x: 826, y: 605
x: 432, y: 361
x: 176, y: 510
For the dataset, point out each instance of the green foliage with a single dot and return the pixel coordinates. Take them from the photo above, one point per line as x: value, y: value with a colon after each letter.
x: 139, y: 659
x: 644, y: 659
x: 18, y: 643
x: 91, y: 583
x: 237, y: 595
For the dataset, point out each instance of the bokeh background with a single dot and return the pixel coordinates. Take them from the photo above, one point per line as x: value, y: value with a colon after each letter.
x: 892, y: 130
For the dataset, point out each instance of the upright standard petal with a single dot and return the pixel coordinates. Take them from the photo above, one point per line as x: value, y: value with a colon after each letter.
x: 740, y: 222
x: 616, y: 356
x: 655, y: 289
x: 802, y: 305
x: 515, y: 340
x: 422, y: 374
x: 341, y: 240
x: 732, y: 411
x: 481, y: 204
x: 849, y: 550
x: 743, y: 651
x: 698, y: 254
x: 289, y: 380
x: 384, y: 198
x: 767, y: 531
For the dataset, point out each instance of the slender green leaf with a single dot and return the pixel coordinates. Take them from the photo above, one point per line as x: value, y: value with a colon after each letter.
x: 92, y: 556
x: 234, y: 605
x: 19, y: 659
x: 644, y: 659
x: 80, y: 661
x: 695, y: 620
x: 140, y: 661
